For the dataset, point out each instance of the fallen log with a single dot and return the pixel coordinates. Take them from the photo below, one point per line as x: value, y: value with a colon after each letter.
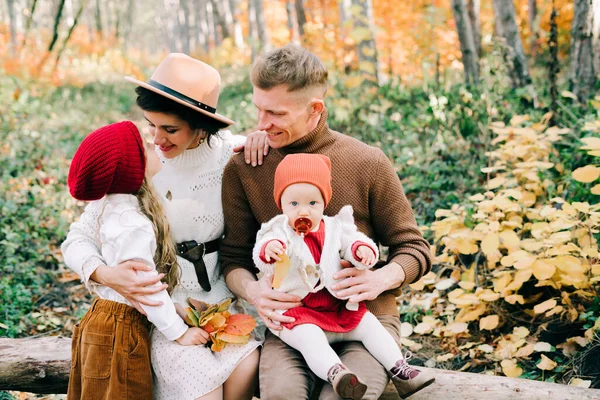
x: 41, y: 365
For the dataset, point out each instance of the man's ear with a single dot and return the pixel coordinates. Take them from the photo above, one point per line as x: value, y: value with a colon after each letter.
x: 317, y: 106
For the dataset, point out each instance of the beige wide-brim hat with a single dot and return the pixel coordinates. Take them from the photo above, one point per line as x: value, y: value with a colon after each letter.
x: 187, y: 81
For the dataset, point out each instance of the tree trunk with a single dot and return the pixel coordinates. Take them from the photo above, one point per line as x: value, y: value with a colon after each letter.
x: 252, y: 35
x: 582, y: 76
x: 238, y: 34
x: 596, y: 37
x: 505, y: 16
x: 533, y: 26
x: 57, y: 18
x: 474, y: 8
x: 467, y: 42
x: 221, y: 18
x: 261, y: 26
x: 202, y: 22
x: 42, y: 365
x: 98, y: 19
x: 292, y: 22
x: 300, y: 18
x: 13, y: 27
x: 366, y: 49
x: 213, y: 25
x: 28, y: 23
x: 184, y: 15
x: 71, y: 29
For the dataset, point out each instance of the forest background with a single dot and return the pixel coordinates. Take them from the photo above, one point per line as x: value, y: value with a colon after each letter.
x: 487, y: 109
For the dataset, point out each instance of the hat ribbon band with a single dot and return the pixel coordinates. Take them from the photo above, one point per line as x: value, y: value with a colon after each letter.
x: 182, y: 97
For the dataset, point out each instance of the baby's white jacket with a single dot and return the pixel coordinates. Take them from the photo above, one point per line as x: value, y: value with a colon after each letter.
x: 340, y: 234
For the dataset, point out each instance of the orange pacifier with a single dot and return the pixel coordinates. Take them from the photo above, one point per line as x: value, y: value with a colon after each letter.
x: 302, y: 226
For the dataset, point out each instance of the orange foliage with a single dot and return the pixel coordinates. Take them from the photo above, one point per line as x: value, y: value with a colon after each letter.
x: 413, y: 38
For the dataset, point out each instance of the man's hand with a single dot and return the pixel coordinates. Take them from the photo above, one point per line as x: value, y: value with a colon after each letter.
x: 356, y: 285
x: 267, y: 301
x: 124, y: 279
x: 255, y: 148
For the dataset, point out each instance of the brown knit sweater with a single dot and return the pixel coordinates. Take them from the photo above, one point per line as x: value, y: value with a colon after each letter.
x: 362, y: 176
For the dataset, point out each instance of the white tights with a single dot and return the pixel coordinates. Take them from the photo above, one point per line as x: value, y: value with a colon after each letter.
x: 313, y: 343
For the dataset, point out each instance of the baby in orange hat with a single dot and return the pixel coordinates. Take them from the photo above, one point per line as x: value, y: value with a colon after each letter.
x: 315, y: 245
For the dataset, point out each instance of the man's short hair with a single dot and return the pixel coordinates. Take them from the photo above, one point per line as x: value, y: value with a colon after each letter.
x: 289, y: 65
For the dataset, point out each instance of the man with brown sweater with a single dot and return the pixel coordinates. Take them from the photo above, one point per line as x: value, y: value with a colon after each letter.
x: 289, y: 90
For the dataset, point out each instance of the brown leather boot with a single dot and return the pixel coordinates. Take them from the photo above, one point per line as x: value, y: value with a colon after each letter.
x: 345, y: 383
x: 409, y: 380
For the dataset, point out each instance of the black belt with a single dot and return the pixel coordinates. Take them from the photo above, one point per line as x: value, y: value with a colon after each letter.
x: 194, y: 252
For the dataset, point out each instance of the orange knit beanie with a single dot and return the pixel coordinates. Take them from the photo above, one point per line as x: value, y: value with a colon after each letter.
x: 303, y: 168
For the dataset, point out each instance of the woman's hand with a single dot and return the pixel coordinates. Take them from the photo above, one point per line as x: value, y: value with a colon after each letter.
x: 124, y: 279
x: 267, y: 301
x: 255, y: 148
x: 193, y: 336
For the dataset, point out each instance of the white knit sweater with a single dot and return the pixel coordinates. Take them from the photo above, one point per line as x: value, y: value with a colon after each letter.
x: 124, y: 233
x: 190, y: 187
x: 340, y: 234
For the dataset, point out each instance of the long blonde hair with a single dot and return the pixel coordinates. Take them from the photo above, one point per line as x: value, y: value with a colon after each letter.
x: 165, y: 257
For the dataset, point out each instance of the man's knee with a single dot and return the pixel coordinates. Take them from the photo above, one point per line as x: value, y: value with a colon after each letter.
x: 283, y: 373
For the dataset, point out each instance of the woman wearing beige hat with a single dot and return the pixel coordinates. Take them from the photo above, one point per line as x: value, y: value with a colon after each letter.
x: 179, y: 102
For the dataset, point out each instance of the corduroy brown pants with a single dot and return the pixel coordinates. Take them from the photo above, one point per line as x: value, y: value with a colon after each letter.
x: 111, y: 354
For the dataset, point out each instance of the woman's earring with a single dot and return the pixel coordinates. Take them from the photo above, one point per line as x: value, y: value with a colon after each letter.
x: 201, y: 139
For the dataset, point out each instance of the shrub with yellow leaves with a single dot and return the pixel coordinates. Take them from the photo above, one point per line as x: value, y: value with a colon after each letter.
x: 516, y: 255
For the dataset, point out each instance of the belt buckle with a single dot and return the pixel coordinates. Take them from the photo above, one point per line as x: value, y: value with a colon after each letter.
x: 203, y: 249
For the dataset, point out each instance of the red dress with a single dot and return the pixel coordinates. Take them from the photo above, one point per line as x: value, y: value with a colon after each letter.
x: 321, y: 308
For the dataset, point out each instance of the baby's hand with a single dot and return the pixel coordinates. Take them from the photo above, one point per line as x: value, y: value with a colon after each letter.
x: 366, y: 255
x: 273, y: 249
x: 193, y: 336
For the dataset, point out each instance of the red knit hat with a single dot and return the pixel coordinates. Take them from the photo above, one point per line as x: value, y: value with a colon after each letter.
x: 109, y: 160
x: 303, y: 168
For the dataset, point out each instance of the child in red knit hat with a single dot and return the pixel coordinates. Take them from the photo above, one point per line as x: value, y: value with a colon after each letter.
x: 111, y: 345
x: 313, y: 246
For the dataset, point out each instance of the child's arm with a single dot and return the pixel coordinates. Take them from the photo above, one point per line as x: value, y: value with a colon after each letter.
x: 128, y: 235
x: 357, y: 248
x: 270, y: 236
x: 81, y: 249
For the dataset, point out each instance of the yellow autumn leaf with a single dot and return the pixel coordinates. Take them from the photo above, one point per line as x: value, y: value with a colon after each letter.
x: 422, y: 328
x: 525, y: 351
x: 465, y: 246
x: 457, y: 327
x: 469, y: 314
x: 488, y: 295
x: 546, y: 364
x: 510, y: 239
x: 496, y: 182
x: 521, y: 332
x: 511, y: 369
x: 542, y: 347
x: 444, y: 357
x: 595, y: 189
x: 586, y: 174
x: 486, y: 348
x: 581, y: 383
x: 490, y: 243
x: 542, y: 270
x: 591, y: 143
x: 489, y: 323
x: 545, y: 306
x: 514, y: 298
